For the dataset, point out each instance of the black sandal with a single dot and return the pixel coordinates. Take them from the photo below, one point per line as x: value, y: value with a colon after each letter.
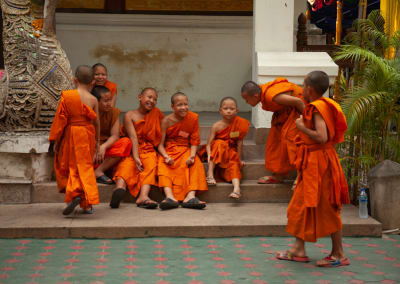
x: 193, y: 203
x: 168, y: 203
x: 117, y: 197
x: 104, y: 180
x: 71, y: 206
x: 147, y: 204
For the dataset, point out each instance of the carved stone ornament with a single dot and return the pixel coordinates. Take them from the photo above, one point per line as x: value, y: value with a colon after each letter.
x: 37, y: 69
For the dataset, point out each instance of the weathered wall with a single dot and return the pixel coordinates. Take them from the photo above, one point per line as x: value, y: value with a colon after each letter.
x: 207, y: 57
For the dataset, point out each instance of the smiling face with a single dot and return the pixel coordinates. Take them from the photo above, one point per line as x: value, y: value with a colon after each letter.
x: 252, y: 100
x: 105, y: 103
x: 180, y: 106
x: 100, y: 75
x: 148, y: 99
x: 228, y: 109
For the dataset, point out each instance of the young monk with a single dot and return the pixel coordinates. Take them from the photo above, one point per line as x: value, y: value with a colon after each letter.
x: 100, y: 77
x: 138, y: 172
x: 224, y: 146
x: 112, y: 148
x: 314, y: 210
x: 285, y: 100
x: 75, y: 133
x: 180, y: 170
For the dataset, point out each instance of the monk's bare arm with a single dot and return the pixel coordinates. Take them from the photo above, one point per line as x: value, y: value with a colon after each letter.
x: 210, y: 140
x: 161, y: 148
x: 113, y: 137
x: 240, y: 149
x: 130, y: 129
x: 96, y: 123
x: 288, y: 100
x: 320, y: 134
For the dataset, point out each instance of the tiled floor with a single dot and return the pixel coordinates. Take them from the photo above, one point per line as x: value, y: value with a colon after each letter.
x: 191, y: 260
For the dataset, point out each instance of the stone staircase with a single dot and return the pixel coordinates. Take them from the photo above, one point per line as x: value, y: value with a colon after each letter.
x: 260, y: 211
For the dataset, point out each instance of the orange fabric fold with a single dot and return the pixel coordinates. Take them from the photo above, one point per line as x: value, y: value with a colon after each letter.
x: 179, y: 176
x: 73, y: 163
x: 148, y: 132
x: 280, y: 149
x: 314, y: 210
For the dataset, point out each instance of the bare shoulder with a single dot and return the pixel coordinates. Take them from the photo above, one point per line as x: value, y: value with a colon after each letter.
x: 134, y: 115
x: 219, y: 125
x: 168, y: 121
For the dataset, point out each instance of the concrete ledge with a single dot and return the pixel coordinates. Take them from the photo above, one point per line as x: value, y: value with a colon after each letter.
x: 15, y: 191
x: 217, y: 220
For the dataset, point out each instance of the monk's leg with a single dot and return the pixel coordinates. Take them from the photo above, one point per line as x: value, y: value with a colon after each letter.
x: 299, y: 248
x: 106, y: 165
x: 191, y: 194
x: 144, y: 194
x: 337, y: 246
x: 210, y: 173
x: 236, y: 188
x: 168, y: 193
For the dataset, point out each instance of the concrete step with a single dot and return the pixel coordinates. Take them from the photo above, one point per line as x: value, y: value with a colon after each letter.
x: 251, y: 192
x: 217, y: 220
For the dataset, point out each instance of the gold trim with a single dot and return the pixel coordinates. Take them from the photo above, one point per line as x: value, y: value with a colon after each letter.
x: 87, y: 4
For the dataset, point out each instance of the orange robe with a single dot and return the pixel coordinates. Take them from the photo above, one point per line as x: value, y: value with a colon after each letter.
x: 75, y: 134
x: 122, y: 147
x: 112, y: 87
x: 280, y: 150
x: 224, y: 149
x: 148, y: 132
x: 179, y: 176
x: 314, y: 210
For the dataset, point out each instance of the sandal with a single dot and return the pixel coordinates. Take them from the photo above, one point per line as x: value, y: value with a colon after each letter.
x: 193, y: 203
x: 71, y: 206
x: 269, y: 180
x: 235, y: 195
x: 289, y: 256
x: 211, y: 181
x: 117, y: 197
x: 147, y: 204
x: 331, y: 261
x: 88, y: 210
x: 168, y: 203
x: 104, y: 180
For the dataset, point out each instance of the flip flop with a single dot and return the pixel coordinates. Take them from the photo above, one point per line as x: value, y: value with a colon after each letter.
x: 71, y: 206
x: 147, y: 204
x: 88, y: 211
x: 235, y: 195
x: 117, y: 197
x: 168, y: 203
x: 268, y: 180
x: 193, y: 203
x: 334, y: 262
x: 104, y: 180
x: 289, y: 256
x: 211, y: 181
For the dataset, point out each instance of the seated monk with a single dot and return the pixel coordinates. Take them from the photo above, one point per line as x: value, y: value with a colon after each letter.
x: 101, y: 79
x: 138, y: 172
x: 314, y: 210
x: 180, y: 171
x: 285, y: 100
x: 224, y: 146
x: 112, y: 148
x: 75, y: 133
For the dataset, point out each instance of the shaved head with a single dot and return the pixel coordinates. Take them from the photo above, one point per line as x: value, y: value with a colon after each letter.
x: 99, y: 65
x: 84, y: 74
x: 227, y: 99
x: 148, y: 89
x: 318, y: 80
x: 97, y: 91
x: 251, y: 88
x: 178, y: 94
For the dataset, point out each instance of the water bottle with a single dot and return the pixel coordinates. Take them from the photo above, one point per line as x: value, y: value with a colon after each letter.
x: 363, y: 204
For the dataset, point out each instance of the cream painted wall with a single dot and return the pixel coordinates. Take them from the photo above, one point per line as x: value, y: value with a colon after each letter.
x: 206, y: 57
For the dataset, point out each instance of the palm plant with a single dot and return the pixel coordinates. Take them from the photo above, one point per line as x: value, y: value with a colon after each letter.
x: 370, y: 97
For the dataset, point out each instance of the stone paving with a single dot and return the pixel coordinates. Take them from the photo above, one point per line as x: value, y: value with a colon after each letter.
x: 192, y: 261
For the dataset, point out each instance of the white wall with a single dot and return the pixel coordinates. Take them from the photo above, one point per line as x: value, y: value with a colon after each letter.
x: 207, y: 57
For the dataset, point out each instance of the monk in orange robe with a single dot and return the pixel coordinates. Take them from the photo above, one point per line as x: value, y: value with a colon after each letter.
x: 224, y: 146
x: 180, y: 171
x: 75, y: 135
x: 139, y: 171
x: 314, y: 210
x: 284, y: 99
x: 101, y: 79
x: 112, y: 148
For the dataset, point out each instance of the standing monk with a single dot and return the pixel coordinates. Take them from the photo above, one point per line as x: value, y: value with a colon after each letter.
x: 314, y: 210
x: 76, y: 140
x: 138, y: 172
x: 112, y: 148
x: 180, y: 170
x: 284, y: 99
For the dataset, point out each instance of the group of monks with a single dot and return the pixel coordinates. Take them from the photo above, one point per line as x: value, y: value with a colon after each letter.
x: 152, y: 150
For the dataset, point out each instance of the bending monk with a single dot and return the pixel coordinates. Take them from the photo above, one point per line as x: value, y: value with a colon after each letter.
x: 180, y: 171
x: 138, y: 172
x: 314, y: 210
x: 224, y: 146
x: 112, y: 148
x: 76, y: 140
x: 284, y: 99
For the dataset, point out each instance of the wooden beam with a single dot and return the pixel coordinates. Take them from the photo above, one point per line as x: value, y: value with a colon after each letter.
x: 114, y: 6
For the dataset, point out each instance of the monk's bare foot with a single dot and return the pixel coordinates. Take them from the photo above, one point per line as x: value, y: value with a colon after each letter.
x: 235, y: 194
x: 211, y: 180
x: 297, y: 252
x: 270, y: 179
x: 146, y: 203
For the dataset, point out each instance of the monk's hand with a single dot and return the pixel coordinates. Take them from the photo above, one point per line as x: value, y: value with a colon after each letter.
x: 55, y: 147
x: 300, y: 123
x: 190, y: 161
x: 168, y: 160
x: 100, y: 154
x: 242, y: 163
x: 139, y: 164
